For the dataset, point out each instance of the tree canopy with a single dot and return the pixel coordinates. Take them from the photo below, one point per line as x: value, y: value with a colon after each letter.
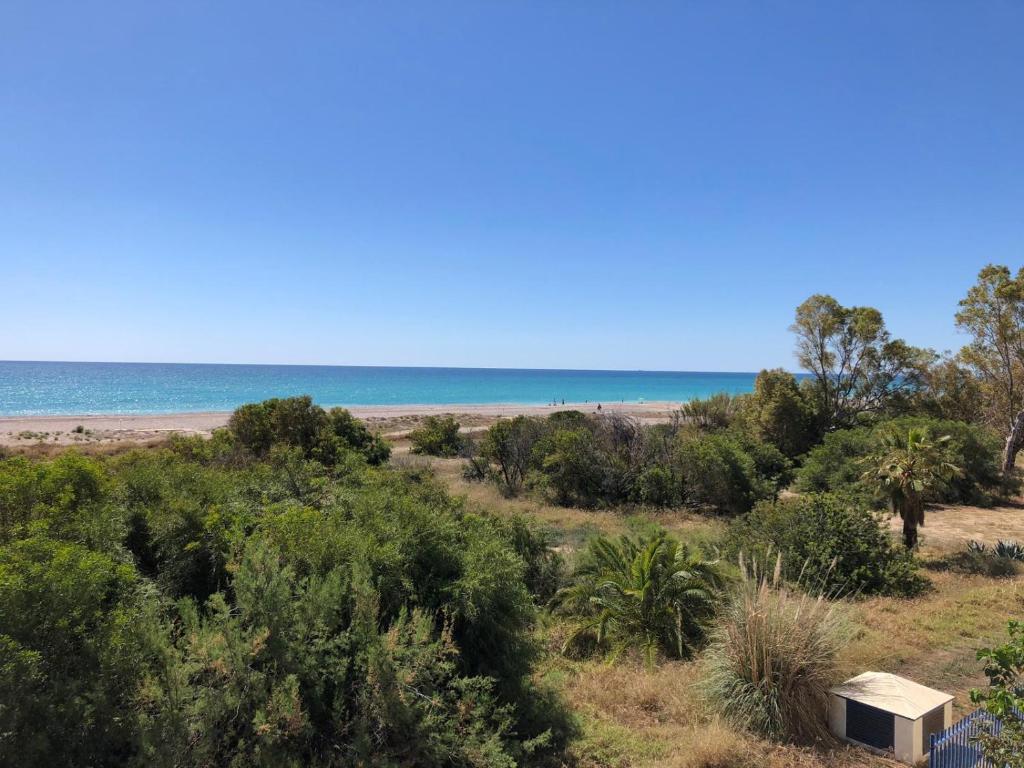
x: 858, y: 367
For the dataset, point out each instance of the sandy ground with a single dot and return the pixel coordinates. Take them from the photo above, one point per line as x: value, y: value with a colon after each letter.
x: 951, y: 527
x: 69, y: 430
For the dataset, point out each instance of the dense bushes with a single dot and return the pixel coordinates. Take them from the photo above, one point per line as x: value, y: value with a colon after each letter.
x: 837, y: 464
x: 437, y: 436
x: 779, y: 412
x: 71, y: 655
x: 275, y: 604
x: 298, y: 422
x: 587, y: 461
x: 832, y: 544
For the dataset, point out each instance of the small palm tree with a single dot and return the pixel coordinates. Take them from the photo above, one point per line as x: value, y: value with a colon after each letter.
x: 650, y: 593
x: 905, y: 467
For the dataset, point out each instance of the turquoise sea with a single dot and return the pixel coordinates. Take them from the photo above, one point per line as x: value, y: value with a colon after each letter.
x: 53, y: 388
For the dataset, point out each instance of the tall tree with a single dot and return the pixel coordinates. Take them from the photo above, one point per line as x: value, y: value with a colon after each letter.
x: 993, y: 314
x: 778, y: 412
x: 906, y: 466
x: 858, y: 367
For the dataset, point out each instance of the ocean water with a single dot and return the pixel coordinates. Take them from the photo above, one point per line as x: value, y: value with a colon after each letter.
x: 53, y: 388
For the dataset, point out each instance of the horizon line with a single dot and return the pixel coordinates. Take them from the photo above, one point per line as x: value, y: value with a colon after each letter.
x: 420, y: 367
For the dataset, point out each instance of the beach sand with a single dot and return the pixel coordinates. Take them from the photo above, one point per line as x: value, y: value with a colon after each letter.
x: 387, y: 419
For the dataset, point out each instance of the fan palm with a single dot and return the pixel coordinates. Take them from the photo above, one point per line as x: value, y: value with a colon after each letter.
x: 905, y: 467
x: 650, y: 594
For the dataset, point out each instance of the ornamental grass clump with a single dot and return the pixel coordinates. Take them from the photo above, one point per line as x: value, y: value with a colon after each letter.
x: 773, y: 655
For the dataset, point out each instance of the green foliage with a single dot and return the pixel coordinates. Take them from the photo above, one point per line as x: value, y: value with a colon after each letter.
x: 1004, y: 699
x: 297, y: 422
x: 773, y: 658
x: 953, y: 392
x: 718, y: 472
x: 345, y: 431
x: 652, y: 594
x: 997, y: 562
x: 589, y: 461
x: 858, y: 368
x: 834, y: 544
x: 544, y: 567
x: 508, y: 445
x: 905, y: 467
x: 710, y: 414
x: 992, y: 313
x: 61, y: 495
x: 437, y: 436
x: 70, y: 655
x: 837, y: 463
x: 574, y: 468
x: 283, y: 605
x: 297, y: 668
x: 778, y: 413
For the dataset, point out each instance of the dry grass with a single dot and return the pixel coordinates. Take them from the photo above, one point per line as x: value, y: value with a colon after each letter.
x: 573, y: 526
x: 631, y: 717
x: 950, y: 527
x: 933, y: 639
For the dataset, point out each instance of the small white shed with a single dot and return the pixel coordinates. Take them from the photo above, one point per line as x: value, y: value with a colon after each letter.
x: 888, y: 713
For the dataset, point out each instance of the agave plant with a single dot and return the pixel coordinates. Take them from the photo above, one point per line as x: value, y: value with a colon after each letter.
x: 976, y: 546
x: 1009, y: 549
x: 652, y: 594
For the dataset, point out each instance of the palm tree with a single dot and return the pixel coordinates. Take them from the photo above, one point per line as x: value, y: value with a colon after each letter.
x: 905, y: 467
x: 651, y: 593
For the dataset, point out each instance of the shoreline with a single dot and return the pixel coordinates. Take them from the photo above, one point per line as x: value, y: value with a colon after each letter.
x: 105, y: 428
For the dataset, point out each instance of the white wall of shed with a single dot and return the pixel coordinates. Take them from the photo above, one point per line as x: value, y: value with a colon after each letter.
x: 907, y: 739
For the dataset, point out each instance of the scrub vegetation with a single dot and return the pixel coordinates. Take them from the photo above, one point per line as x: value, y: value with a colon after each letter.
x: 583, y: 589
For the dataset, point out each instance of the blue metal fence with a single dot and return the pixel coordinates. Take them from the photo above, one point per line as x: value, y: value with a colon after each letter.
x: 955, y: 747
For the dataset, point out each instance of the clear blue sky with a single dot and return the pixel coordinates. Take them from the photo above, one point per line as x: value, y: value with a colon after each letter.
x: 524, y: 184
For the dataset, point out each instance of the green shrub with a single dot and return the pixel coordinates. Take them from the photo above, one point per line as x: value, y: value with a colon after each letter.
x: 713, y: 413
x: 437, y: 436
x: 717, y: 472
x: 544, y: 567
x: 261, y: 610
x: 298, y: 422
x: 575, y: 468
x: 657, y: 486
x: 71, y: 655
x: 652, y: 594
x: 779, y: 412
x: 772, y: 658
x: 1004, y: 699
x: 837, y: 463
x: 833, y: 543
x: 977, y: 558
x: 509, y: 446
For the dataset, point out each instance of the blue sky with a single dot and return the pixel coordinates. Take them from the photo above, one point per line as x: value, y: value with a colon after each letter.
x: 534, y: 184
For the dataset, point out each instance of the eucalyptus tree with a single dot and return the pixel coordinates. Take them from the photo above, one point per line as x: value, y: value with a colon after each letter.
x: 857, y: 367
x: 993, y: 314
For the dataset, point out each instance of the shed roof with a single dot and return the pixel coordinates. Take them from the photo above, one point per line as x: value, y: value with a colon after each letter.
x: 892, y: 693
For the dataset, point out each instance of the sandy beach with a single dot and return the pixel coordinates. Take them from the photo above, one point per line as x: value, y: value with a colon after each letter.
x: 388, y: 419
